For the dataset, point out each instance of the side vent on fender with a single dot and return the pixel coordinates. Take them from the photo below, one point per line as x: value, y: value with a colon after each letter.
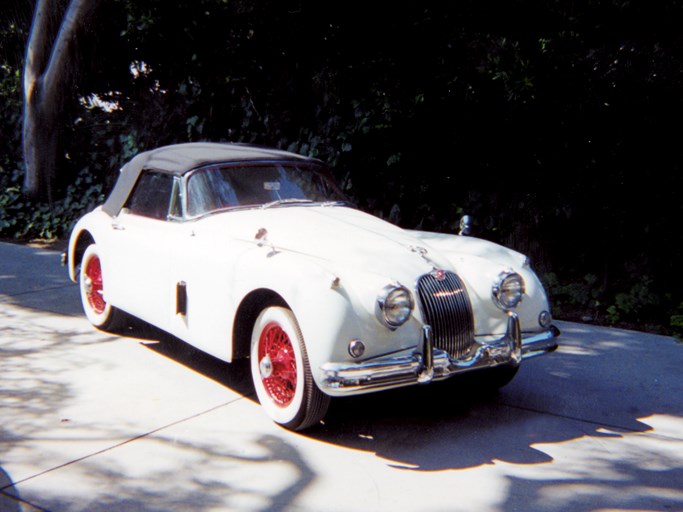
x: 181, y: 298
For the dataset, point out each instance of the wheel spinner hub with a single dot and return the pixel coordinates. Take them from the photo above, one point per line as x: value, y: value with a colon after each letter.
x: 277, y: 364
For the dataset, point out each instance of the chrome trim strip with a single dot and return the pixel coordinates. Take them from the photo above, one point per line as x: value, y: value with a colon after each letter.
x: 540, y: 344
x: 426, y: 363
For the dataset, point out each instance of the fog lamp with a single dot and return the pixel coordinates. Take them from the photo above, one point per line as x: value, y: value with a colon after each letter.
x: 356, y: 348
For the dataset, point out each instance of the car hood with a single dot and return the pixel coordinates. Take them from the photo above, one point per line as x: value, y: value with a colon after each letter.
x: 347, y: 237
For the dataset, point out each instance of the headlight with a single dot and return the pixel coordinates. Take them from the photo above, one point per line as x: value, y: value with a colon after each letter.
x: 508, y: 290
x: 395, y: 304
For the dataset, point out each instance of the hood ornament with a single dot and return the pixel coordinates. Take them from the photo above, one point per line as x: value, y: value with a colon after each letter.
x: 438, y: 273
x: 261, y: 238
x: 419, y: 250
x: 423, y: 253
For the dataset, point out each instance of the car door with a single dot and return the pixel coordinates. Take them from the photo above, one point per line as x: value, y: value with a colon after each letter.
x: 144, y: 240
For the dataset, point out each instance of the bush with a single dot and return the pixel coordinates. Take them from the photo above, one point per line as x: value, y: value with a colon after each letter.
x: 24, y: 219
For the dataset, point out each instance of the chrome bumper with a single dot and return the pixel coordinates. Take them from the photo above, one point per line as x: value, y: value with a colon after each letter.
x: 427, y: 363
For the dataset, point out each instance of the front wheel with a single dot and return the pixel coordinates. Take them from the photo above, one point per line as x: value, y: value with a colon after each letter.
x: 281, y: 372
x: 100, y: 313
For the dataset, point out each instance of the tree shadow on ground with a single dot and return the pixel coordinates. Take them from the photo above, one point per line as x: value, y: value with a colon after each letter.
x: 603, y: 387
x: 235, y: 375
x: 636, y: 488
x: 178, y: 487
x: 428, y: 427
x: 99, y: 455
x: 34, y: 278
x: 10, y: 500
x: 595, y: 383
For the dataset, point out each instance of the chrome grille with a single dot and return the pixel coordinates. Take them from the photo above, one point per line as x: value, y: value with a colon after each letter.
x: 446, y: 306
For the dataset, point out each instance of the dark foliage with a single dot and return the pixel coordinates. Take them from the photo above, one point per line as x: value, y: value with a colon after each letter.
x: 555, y: 124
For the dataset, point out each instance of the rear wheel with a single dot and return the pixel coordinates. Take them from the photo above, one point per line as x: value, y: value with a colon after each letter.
x: 100, y: 313
x: 281, y: 371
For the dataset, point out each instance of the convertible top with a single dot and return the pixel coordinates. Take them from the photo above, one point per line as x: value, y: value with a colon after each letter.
x: 180, y: 158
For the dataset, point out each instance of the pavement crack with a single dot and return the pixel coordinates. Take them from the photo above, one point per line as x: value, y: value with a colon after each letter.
x: 126, y: 442
x: 39, y: 290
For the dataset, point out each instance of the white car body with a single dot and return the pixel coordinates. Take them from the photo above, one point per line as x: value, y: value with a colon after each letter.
x: 205, y: 278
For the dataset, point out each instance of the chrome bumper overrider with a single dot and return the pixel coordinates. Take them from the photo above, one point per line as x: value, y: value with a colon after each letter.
x: 427, y: 363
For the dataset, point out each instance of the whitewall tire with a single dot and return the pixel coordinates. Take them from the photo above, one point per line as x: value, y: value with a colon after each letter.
x: 100, y: 313
x: 281, y: 372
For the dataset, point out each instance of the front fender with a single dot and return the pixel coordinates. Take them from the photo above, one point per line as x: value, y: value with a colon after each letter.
x: 479, y: 263
x: 331, y: 305
x: 84, y: 233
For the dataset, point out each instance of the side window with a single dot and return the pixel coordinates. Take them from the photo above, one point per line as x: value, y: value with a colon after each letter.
x: 151, y: 196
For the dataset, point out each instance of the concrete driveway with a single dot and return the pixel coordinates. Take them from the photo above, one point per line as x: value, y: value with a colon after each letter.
x: 95, y: 422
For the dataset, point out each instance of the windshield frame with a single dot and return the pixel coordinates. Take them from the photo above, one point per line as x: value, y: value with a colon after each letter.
x: 310, y: 166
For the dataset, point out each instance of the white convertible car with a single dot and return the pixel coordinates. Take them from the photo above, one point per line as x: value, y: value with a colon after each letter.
x: 243, y: 251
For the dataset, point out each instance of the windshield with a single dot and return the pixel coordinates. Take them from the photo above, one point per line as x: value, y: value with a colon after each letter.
x: 258, y: 185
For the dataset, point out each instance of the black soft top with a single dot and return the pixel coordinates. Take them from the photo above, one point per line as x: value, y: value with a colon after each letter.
x: 181, y: 158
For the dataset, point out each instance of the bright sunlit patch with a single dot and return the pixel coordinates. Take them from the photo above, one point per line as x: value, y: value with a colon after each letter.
x: 403, y: 465
x: 96, y: 102
x: 139, y: 68
x: 666, y: 425
x: 447, y: 293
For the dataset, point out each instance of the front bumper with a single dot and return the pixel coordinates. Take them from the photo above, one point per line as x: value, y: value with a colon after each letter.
x: 427, y: 363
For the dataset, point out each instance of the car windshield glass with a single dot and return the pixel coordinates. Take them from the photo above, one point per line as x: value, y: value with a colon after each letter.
x: 268, y: 185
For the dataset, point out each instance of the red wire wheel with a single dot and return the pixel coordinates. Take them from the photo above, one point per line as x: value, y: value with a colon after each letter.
x: 94, y: 287
x: 276, y: 355
x: 281, y: 372
x: 101, y: 314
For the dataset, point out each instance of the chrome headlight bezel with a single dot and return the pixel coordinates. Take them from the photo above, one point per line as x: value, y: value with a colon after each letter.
x: 508, y: 290
x: 395, y: 305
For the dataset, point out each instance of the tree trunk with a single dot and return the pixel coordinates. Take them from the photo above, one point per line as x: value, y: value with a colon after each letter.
x: 49, y: 69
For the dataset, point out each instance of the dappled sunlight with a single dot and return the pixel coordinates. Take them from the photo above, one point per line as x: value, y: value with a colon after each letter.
x: 163, y: 472
x: 666, y: 425
x: 80, y: 435
x: 608, y: 452
x: 579, y: 351
x: 62, y: 382
x: 638, y: 470
x: 140, y: 420
x: 31, y: 388
x: 594, y: 425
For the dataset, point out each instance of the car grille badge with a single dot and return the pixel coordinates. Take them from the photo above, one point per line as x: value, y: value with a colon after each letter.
x: 438, y: 274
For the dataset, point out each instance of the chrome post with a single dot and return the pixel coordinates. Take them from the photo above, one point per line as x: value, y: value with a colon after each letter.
x: 514, y: 335
x: 427, y: 372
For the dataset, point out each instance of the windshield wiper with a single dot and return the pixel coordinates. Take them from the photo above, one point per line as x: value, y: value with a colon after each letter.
x: 285, y: 201
x: 336, y: 203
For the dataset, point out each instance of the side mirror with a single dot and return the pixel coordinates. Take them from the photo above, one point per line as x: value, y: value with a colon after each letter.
x: 465, y: 225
